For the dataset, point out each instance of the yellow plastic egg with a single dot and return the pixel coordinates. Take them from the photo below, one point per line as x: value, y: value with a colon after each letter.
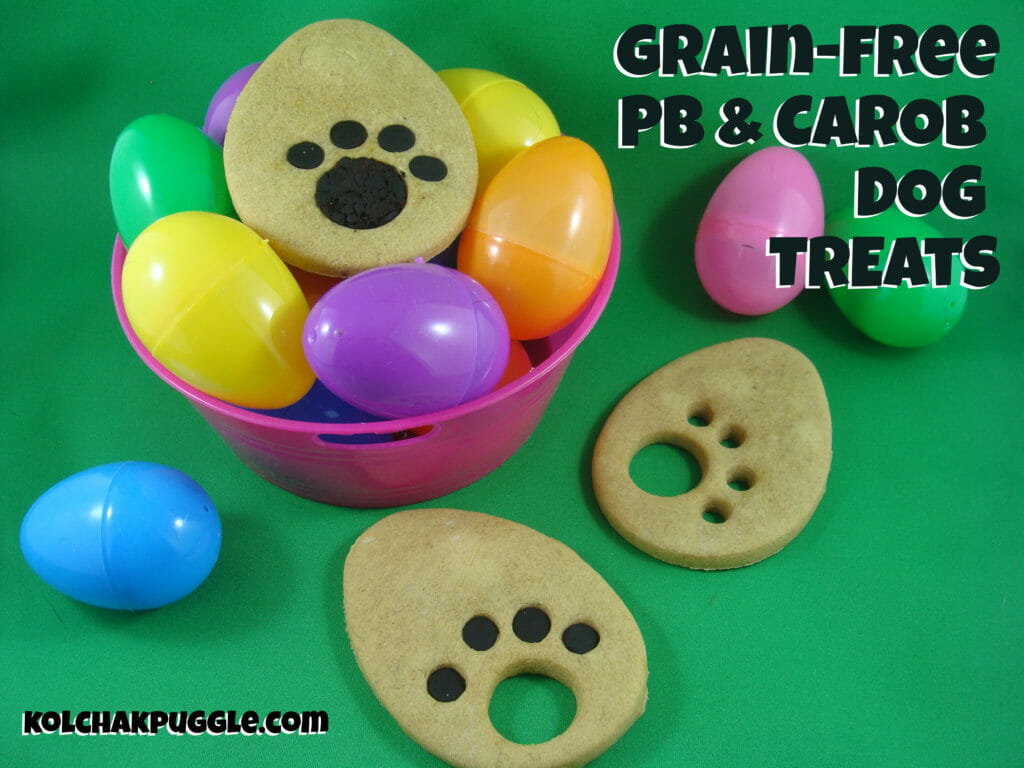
x: 504, y: 115
x: 215, y: 305
x: 538, y: 238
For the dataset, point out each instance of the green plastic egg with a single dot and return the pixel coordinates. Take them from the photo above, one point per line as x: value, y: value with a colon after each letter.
x: 903, y: 315
x: 163, y: 165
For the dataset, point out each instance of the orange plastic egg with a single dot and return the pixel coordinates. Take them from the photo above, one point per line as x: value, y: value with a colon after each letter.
x: 538, y: 237
x: 519, y: 364
x: 312, y: 285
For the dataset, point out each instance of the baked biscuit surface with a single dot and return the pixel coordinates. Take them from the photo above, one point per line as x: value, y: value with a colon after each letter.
x: 754, y: 414
x: 346, y: 151
x: 442, y: 605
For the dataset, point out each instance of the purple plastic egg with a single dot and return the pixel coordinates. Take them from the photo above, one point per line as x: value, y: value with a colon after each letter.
x: 407, y: 339
x: 223, y: 102
x: 772, y: 193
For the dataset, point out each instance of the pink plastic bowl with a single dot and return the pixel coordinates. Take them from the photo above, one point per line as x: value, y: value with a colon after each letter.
x: 447, y: 450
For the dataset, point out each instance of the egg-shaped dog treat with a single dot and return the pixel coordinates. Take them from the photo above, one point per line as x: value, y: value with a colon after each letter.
x: 443, y: 605
x: 346, y: 151
x: 754, y: 414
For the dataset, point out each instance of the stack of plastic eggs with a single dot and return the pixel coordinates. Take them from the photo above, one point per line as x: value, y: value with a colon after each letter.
x: 774, y: 192
x: 212, y: 302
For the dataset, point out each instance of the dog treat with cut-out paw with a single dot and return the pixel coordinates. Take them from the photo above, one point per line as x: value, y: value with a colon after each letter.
x: 754, y: 414
x: 442, y: 605
x: 346, y: 151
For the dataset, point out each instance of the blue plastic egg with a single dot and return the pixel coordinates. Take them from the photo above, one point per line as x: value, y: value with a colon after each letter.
x: 321, y: 406
x: 130, y: 535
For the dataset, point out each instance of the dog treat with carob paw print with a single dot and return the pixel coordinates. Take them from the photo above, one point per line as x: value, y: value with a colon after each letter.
x: 443, y: 605
x: 346, y: 151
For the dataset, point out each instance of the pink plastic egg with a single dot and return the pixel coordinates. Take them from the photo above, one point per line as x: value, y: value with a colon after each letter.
x: 771, y: 193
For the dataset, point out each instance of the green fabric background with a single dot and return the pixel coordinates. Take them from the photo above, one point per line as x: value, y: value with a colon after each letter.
x: 890, y: 632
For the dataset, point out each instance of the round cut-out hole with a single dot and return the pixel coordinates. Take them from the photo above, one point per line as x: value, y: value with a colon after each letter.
x: 664, y: 469
x: 531, y: 709
x: 714, y: 515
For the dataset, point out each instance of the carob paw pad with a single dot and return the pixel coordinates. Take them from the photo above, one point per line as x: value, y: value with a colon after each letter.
x: 754, y: 414
x: 347, y: 152
x: 443, y: 605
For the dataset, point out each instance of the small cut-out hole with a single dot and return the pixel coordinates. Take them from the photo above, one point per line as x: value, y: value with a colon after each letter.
x: 531, y: 709
x: 733, y: 438
x: 714, y: 515
x: 664, y: 469
x: 700, y: 417
x: 741, y: 482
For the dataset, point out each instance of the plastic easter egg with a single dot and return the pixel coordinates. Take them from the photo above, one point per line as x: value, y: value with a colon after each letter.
x: 519, y: 364
x: 219, y: 112
x: 162, y: 165
x: 772, y: 193
x: 407, y: 339
x: 313, y: 286
x: 214, y: 304
x: 903, y: 315
x: 504, y: 115
x: 538, y: 237
x: 449, y: 256
x: 321, y: 406
x: 131, y: 535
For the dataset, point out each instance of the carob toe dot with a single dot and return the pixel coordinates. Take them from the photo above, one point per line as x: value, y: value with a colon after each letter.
x: 396, y: 138
x: 531, y: 624
x: 348, y: 134
x: 305, y: 155
x: 580, y: 638
x: 427, y: 168
x: 445, y: 684
x: 480, y: 633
